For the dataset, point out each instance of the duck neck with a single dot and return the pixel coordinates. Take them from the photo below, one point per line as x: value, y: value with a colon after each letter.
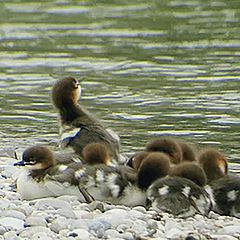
x: 71, y: 112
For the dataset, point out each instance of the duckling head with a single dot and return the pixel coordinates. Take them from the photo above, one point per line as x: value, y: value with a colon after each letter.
x: 191, y: 171
x: 94, y: 153
x: 213, y: 163
x: 155, y: 165
x: 168, y: 146
x: 66, y: 92
x: 188, y: 153
x: 37, y: 157
x: 136, y: 160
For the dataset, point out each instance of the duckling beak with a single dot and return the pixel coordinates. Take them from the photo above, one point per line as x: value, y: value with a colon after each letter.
x: 20, y: 163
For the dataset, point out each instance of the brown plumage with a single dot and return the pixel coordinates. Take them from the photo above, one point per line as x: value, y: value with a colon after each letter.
x: 213, y: 163
x: 74, y: 118
x: 154, y: 166
x: 168, y: 146
x: 191, y: 171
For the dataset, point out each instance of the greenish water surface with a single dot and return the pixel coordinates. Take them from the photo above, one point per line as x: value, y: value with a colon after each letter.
x: 147, y: 68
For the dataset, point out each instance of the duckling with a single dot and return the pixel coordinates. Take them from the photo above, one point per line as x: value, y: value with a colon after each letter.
x: 89, y: 182
x: 136, y: 160
x: 189, y: 170
x: 168, y: 146
x: 38, y: 162
x: 155, y: 165
x: 213, y: 163
x: 188, y: 153
x: 79, y: 127
x: 178, y: 196
x: 95, y: 153
x: 222, y: 187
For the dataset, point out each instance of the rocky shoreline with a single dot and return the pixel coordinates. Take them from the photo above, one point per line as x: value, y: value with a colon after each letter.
x: 65, y: 217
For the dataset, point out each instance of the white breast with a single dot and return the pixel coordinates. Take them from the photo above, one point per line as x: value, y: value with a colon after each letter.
x: 29, y: 189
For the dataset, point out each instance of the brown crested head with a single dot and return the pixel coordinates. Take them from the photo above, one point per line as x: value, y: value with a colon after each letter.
x: 188, y: 153
x: 65, y: 92
x: 94, y: 153
x: 136, y: 160
x: 155, y: 165
x: 168, y: 146
x: 213, y: 163
x: 37, y: 157
x: 191, y: 171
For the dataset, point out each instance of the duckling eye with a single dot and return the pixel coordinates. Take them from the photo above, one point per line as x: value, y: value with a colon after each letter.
x: 76, y: 84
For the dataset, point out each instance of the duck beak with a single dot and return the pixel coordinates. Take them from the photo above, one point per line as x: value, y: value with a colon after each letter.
x: 21, y: 163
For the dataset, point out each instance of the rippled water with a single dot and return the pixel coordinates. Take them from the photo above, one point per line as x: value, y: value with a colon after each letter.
x: 148, y: 69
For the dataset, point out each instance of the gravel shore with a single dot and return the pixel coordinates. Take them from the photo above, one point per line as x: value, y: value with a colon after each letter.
x: 65, y: 217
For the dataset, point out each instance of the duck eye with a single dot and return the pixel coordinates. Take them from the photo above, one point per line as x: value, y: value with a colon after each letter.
x: 76, y: 84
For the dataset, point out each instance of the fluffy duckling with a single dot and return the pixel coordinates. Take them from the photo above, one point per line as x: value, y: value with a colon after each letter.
x: 41, y: 177
x: 79, y: 127
x: 178, y: 196
x: 136, y: 160
x: 168, y: 146
x: 39, y: 163
x: 188, y: 153
x: 225, y: 193
x: 94, y: 153
x: 189, y: 170
x: 155, y: 165
x: 223, y: 188
x: 213, y: 163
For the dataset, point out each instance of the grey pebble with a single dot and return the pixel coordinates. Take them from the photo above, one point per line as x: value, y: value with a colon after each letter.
x: 13, y: 213
x: 12, y: 223
x: 52, y: 203
x: 58, y: 224
x: 11, y: 235
x: 30, y: 231
x: 35, y: 221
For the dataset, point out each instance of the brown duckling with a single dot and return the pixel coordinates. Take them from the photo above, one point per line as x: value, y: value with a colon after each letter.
x: 189, y: 170
x: 155, y: 165
x: 167, y: 145
x: 213, y: 163
x: 188, y: 153
x: 79, y: 127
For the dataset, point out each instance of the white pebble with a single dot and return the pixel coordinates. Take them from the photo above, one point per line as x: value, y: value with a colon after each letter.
x: 11, y: 235
x: 36, y: 221
x: 111, y: 233
x: 174, y: 232
x: 14, y: 214
x: 82, y: 234
x: 11, y: 222
x: 139, y: 226
x: 30, y: 231
x: 58, y: 224
x: 43, y: 204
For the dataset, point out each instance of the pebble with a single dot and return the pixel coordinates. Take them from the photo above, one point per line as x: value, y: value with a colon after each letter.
x: 65, y: 217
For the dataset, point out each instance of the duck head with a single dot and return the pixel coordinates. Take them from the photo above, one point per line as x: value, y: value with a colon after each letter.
x: 37, y: 157
x: 66, y: 92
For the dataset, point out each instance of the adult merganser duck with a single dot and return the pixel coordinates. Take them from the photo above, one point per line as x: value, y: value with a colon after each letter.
x: 168, y: 146
x: 41, y: 177
x: 223, y: 188
x: 79, y: 127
